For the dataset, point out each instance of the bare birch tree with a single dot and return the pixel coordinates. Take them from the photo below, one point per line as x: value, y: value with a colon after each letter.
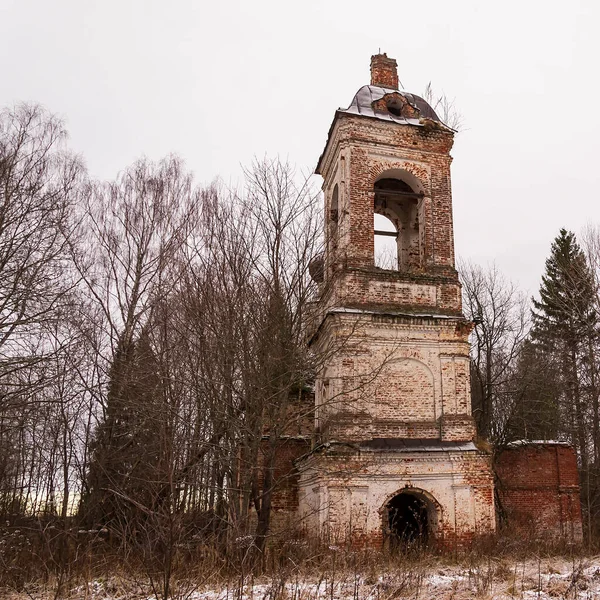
x: 39, y: 182
x: 500, y: 314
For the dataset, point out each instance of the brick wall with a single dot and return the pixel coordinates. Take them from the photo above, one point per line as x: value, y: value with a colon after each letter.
x: 384, y: 71
x: 538, y: 490
x: 393, y: 376
x: 290, y: 444
x: 344, y: 494
x: 394, y: 344
x: 285, y: 495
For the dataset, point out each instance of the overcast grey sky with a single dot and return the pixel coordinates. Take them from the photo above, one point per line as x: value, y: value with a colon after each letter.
x: 222, y: 81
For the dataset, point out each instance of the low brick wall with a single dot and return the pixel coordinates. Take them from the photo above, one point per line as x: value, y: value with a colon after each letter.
x: 538, y: 490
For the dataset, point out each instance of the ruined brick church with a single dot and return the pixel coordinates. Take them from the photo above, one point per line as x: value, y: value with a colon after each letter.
x: 393, y: 455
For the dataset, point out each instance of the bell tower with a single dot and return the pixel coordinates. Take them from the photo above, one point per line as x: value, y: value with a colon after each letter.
x: 393, y: 409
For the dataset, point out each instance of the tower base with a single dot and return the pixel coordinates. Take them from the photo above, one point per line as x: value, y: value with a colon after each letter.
x: 390, y: 492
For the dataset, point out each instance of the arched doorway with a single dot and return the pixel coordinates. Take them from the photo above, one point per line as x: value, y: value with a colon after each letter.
x: 410, y: 520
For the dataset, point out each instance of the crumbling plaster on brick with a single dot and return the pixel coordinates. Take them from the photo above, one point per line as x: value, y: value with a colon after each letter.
x: 391, y: 375
x: 459, y: 502
x: 394, y: 351
x: 392, y: 371
x: 374, y: 157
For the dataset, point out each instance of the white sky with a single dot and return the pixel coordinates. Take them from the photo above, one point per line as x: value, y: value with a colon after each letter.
x: 221, y: 82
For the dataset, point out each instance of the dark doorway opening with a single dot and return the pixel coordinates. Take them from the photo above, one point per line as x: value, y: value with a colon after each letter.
x: 408, y: 521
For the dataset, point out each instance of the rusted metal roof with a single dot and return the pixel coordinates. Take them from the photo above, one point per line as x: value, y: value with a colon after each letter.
x: 362, y: 104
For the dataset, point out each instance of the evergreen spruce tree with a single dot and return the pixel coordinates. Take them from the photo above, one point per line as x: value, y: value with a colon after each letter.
x: 125, y: 472
x: 535, y: 414
x: 566, y: 307
x: 564, y: 323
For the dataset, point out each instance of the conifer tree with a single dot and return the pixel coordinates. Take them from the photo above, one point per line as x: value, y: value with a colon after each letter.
x: 125, y: 471
x: 564, y: 324
x: 535, y: 411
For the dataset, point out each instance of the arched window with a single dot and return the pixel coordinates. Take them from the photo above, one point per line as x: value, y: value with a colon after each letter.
x: 397, y: 202
x: 386, y: 243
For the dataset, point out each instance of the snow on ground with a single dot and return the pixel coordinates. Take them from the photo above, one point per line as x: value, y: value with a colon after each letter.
x: 500, y: 581
x: 494, y: 579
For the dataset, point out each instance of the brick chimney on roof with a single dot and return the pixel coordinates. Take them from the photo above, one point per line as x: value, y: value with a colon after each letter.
x: 384, y: 71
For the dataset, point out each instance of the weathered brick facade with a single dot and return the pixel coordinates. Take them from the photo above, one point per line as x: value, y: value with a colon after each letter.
x: 538, y: 489
x: 393, y: 408
x: 391, y: 456
x: 345, y: 492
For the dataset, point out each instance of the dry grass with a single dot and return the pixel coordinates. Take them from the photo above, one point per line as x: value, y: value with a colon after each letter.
x: 499, y: 569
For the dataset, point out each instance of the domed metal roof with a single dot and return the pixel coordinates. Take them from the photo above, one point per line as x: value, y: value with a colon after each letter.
x: 386, y: 104
x: 362, y: 104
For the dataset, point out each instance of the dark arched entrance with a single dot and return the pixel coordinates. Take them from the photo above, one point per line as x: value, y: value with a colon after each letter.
x: 409, y: 520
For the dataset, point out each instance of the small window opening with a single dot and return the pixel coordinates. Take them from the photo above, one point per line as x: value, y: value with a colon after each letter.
x: 394, y: 106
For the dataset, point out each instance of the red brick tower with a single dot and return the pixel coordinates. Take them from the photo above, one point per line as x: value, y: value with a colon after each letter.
x: 396, y: 461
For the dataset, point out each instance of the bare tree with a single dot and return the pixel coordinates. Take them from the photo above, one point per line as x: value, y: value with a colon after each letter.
x: 39, y: 183
x: 137, y: 229
x: 288, y: 228
x: 445, y: 108
x: 500, y: 314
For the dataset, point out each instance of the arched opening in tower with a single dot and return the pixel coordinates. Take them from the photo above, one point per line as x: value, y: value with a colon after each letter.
x: 396, y: 207
x: 409, y: 521
x: 386, y: 243
x: 334, y: 218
